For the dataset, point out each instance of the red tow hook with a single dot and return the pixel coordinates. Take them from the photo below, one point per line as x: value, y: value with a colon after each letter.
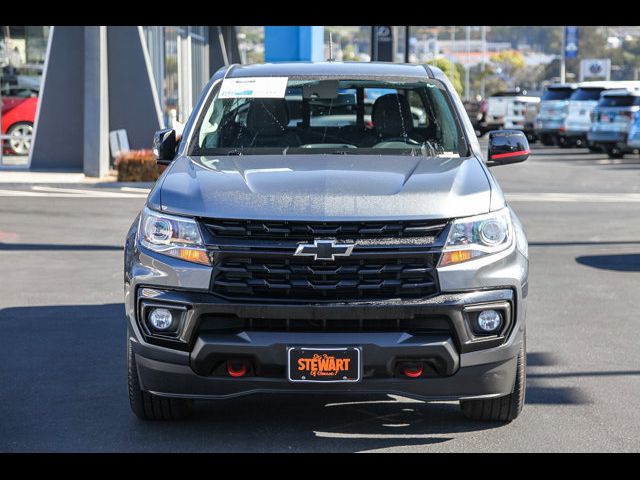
x: 412, y: 370
x: 236, y: 369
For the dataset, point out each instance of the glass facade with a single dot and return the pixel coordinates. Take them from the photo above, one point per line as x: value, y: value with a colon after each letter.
x: 179, y: 58
x: 22, y: 55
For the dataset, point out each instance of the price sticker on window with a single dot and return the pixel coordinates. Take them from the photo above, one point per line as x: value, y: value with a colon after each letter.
x: 254, y: 87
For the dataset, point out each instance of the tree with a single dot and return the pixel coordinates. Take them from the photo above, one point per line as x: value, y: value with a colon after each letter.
x: 492, y: 82
x: 445, y: 65
x: 547, y: 39
x: 349, y: 53
x: 510, y: 62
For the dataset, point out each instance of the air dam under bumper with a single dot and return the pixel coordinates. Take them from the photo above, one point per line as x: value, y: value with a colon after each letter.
x: 480, y: 371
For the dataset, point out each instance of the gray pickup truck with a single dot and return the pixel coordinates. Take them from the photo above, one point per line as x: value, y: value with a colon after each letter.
x: 302, y: 240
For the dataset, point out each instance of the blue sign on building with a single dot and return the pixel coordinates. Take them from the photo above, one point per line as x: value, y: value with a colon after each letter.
x: 570, y: 42
x: 293, y: 43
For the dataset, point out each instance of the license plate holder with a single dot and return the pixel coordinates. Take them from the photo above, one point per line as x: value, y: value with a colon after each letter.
x: 324, y: 365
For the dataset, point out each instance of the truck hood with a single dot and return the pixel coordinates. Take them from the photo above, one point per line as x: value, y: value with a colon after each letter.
x: 324, y: 187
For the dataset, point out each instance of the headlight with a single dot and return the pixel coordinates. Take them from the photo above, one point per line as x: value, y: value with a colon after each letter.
x: 173, y: 236
x: 474, y: 237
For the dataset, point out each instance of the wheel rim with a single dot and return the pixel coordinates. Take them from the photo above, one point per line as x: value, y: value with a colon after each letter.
x: 20, y: 146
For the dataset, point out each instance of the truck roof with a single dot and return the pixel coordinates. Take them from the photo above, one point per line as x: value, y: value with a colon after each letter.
x: 610, y: 84
x: 622, y: 92
x: 554, y: 86
x: 344, y: 69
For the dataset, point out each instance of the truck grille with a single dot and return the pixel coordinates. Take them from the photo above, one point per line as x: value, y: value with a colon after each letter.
x: 232, y: 323
x: 310, y: 230
x: 254, y: 260
x: 341, y: 279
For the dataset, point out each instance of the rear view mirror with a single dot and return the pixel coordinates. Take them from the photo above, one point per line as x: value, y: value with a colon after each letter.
x: 323, y: 89
x: 164, y: 146
x: 507, y: 146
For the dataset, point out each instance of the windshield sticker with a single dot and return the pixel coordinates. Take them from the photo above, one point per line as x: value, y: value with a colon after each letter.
x: 253, y: 87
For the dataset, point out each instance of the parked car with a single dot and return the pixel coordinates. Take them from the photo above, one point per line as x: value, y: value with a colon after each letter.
x: 521, y: 114
x: 554, y: 106
x: 633, y: 138
x: 19, y: 105
x: 281, y: 257
x: 583, y: 100
x: 477, y: 112
x: 612, y: 119
x: 501, y: 105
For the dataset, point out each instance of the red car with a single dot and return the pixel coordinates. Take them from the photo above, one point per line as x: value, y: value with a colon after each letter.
x: 19, y: 106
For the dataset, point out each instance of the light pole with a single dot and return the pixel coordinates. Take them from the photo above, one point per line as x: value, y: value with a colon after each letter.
x: 407, y: 33
x: 483, y: 31
x: 452, y: 58
x: 466, y: 70
x: 242, y: 46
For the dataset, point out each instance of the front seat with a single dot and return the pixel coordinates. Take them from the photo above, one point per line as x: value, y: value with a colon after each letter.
x: 267, y: 121
x: 391, y: 118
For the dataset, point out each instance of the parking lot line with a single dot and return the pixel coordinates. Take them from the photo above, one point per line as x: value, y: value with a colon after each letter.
x: 67, y: 193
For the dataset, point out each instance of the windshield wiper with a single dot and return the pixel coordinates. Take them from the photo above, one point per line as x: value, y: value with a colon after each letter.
x: 234, y: 152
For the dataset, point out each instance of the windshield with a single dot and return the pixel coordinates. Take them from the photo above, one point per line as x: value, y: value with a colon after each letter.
x: 557, y: 94
x: 286, y: 115
x: 618, y: 101
x: 586, y: 94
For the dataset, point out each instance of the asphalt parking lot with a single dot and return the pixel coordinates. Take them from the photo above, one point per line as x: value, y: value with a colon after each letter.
x: 63, y: 366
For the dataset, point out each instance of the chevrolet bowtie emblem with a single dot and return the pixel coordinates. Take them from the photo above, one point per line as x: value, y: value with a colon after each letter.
x: 324, y: 250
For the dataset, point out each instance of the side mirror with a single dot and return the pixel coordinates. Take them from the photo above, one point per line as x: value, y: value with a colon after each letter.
x: 507, y: 146
x: 164, y: 146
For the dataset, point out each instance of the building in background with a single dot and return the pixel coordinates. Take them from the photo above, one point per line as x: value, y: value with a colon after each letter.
x: 22, y: 54
x: 168, y: 65
x: 180, y: 63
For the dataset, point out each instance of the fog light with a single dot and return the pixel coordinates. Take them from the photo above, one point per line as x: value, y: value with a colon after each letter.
x: 489, y: 321
x: 160, y: 318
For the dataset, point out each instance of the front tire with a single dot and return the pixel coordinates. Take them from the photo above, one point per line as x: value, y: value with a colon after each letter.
x: 614, y: 152
x: 148, y: 406
x: 18, y: 144
x: 547, y: 140
x: 501, y: 409
x: 564, y: 142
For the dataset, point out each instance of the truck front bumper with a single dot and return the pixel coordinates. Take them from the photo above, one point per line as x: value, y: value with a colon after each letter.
x: 464, y: 365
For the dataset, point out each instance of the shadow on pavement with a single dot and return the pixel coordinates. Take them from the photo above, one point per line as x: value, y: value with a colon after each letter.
x: 321, y: 423
x: 538, y: 393
x: 541, y: 359
x: 623, y: 262
x: 55, y: 246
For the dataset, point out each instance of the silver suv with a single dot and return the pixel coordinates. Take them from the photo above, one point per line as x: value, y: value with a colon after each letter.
x: 301, y: 241
x: 612, y: 119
